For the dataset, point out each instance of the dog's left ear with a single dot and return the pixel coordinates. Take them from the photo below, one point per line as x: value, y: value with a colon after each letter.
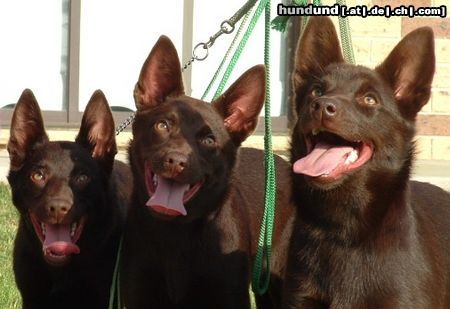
x: 241, y: 104
x: 27, y: 129
x: 409, y: 70
x: 160, y: 76
x: 97, y: 131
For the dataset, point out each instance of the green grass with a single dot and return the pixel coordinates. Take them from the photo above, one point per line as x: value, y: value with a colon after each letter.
x: 9, y: 295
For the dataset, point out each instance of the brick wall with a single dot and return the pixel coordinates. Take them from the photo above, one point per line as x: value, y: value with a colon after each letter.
x: 374, y: 37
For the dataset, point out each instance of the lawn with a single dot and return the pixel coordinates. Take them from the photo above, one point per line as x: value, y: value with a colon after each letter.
x: 9, y: 296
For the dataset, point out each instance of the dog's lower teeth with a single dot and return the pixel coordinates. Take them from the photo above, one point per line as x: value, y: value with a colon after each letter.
x: 43, y: 228
x: 352, y: 157
x: 73, y: 229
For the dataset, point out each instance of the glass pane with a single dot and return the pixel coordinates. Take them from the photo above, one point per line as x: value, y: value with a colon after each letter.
x: 116, y: 38
x: 33, y: 51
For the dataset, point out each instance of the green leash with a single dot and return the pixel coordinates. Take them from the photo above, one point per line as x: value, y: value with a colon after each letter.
x: 280, y: 23
x: 346, y: 36
x: 261, y: 267
x: 115, y: 284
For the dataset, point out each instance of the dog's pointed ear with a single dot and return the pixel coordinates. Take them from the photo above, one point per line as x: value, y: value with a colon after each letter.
x: 241, y: 104
x: 409, y: 70
x: 317, y: 48
x: 27, y: 129
x: 160, y: 76
x: 97, y: 132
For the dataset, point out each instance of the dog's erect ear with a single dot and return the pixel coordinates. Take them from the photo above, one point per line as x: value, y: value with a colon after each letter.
x: 241, y: 104
x: 160, y: 76
x: 27, y: 129
x: 409, y: 70
x: 97, y: 132
x: 317, y: 48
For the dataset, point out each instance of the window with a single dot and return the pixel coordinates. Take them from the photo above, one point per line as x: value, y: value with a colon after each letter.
x: 64, y: 50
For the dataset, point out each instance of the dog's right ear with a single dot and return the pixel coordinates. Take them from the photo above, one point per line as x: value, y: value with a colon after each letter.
x: 97, y: 133
x: 317, y: 48
x: 241, y: 104
x: 27, y: 129
x: 160, y: 76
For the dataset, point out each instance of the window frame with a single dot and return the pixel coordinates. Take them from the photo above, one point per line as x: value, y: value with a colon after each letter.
x: 70, y: 117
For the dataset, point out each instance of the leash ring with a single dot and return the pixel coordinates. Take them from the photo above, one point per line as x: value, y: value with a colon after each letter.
x: 205, y: 47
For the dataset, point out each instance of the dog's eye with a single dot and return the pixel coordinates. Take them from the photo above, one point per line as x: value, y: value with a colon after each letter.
x: 162, y: 125
x: 209, y: 140
x: 38, y: 176
x: 316, y: 92
x: 370, y: 100
x: 82, y: 179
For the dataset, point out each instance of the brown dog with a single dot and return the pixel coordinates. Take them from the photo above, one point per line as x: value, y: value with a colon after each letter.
x: 197, y: 202
x: 365, y: 236
x: 71, y: 197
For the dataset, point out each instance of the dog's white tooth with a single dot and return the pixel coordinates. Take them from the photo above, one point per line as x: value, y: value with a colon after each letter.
x: 43, y: 228
x: 315, y: 132
x: 352, y: 157
x: 73, y: 229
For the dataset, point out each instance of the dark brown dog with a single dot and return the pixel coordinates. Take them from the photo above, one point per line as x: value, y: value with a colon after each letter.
x: 194, y: 220
x: 71, y: 207
x: 365, y: 236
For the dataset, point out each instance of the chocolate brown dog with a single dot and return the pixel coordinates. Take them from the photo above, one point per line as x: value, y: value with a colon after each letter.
x: 197, y: 202
x: 366, y: 236
x: 71, y: 204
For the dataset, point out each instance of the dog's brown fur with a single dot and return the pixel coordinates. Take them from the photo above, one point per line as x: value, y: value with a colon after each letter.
x: 367, y: 237
x: 201, y: 259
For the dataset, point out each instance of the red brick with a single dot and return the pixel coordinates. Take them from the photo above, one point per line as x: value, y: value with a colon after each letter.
x: 441, y: 26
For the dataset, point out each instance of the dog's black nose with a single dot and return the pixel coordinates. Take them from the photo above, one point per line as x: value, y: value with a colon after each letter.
x: 175, y: 163
x: 58, y: 208
x: 323, y: 109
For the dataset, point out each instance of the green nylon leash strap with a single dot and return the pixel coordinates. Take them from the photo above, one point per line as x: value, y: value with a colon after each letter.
x: 115, y: 283
x: 227, y: 55
x: 261, y: 265
x: 280, y: 23
x: 346, y: 37
x: 240, y: 48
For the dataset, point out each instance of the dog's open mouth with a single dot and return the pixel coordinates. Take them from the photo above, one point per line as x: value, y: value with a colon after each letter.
x: 167, y: 197
x: 331, y: 156
x: 58, y: 240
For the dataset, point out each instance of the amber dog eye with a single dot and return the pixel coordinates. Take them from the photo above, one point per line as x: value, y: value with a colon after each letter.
x: 82, y: 179
x: 370, y: 100
x: 38, y: 176
x: 209, y: 140
x: 317, y: 92
x: 162, y: 125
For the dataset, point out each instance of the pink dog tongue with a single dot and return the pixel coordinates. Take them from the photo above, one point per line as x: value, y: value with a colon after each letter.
x: 322, y: 160
x: 58, y: 240
x: 168, y: 198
